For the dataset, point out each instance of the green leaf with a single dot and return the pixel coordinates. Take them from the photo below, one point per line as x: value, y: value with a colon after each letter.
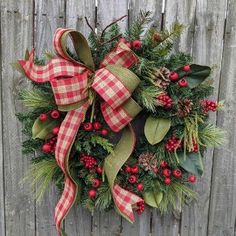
x: 155, y: 129
x: 154, y: 197
x: 192, y: 163
x: 196, y: 75
x: 43, y: 129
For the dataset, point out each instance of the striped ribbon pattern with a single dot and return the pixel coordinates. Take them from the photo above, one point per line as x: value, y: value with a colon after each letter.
x: 69, y: 80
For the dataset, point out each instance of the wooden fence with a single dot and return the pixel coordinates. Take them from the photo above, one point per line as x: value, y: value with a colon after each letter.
x: 210, y: 37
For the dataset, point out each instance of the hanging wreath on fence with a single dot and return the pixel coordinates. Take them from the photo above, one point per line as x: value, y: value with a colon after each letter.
x: 122, y: 123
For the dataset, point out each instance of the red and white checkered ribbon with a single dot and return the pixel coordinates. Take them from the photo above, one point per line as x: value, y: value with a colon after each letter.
x: 69, y: 81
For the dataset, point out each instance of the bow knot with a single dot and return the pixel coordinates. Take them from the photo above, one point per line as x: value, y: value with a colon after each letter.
x: 75, y: 85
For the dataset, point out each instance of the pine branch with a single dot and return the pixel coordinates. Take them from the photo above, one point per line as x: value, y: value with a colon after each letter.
x: 104, y: 197
x: 35, y: 98
x: 103, y: 142
x: 137, y: 28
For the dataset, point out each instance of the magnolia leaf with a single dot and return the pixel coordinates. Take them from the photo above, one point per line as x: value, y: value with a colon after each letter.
x: 196, y: 75
x: 43, y: 129
x: 153, y: 198
x: 155, y: 129
x: 192, y: 163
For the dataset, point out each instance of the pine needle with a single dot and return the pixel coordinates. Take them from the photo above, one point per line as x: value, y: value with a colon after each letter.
x: 211, y: 136
x: 40, y: 176
x: 104, y: 198
x: 35, y: 98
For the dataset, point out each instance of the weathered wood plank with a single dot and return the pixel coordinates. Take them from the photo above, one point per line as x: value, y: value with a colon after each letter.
x: 207, y: 49
x: 184, y: 13
x: 76, y: 11
x: 109, y: 11
x: 16, y: 36
x: 2, y: 203
x: 155, y: 6
x: 79, y: 220
x: 49, y: 15
x: 223, y: 189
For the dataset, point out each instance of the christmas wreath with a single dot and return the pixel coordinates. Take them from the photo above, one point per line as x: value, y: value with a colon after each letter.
x: 120, y: 122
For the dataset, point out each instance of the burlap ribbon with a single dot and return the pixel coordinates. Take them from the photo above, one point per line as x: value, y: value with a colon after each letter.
x: 74, y: 84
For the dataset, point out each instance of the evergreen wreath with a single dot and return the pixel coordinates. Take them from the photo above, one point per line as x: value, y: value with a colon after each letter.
x: 91, y: 89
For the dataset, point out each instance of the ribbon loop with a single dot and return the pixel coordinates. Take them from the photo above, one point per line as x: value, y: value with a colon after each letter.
x: 71, y: 81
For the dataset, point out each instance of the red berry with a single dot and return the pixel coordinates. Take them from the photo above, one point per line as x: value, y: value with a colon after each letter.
x: 167, y: 181
x: 173, y: 76
x: 183, y: 83
x: 128, y: 44
x: 87, y: 126
x: 99, y: 170
x: 166, y: 172
x: 140, y: 186
x: 163, y: 164
x: 127, y: 169
x: 141, y: 207
x: 104, y: 132
x: 186, y: 68
x: 55, y: 130
x: 177, y: 173
x: 132, y: 179
x: 43, y: 117
x: 92, y: 193
x: 97, y: 125
x: 134, y: 169
x: 192, y: 179
x: 96, y: 183
x: 122, y: 40
x: 46, y: 148
x: 136, y: 44
x: 165, y: 100
x: 55, y: 114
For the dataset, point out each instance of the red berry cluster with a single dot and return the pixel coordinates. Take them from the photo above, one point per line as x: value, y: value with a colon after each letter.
x: 140, y: 207
x: 95, y: 126
x: 172, y: 144
x: 133, y: 179
x: 208, y: 105
x: 136, y: 44
x: 174, y: 76
x: 50, y: 145
x: 165, y: 100
x: 55, y: 114
x: 88, y: 161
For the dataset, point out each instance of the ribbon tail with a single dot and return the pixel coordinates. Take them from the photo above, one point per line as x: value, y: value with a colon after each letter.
x: 123, y: 199
x: 66, y: 137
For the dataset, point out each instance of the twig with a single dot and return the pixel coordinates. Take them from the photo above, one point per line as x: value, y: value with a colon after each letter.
x: 89, y: 25
x: 114, y: 22
x: 108, y: 41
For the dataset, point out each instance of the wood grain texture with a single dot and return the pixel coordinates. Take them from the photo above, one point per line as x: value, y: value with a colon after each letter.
x: 183, y: 12
x: 207, y: 49
x: 2, y: 197
x: 48, y: 16
x: 16, y: 35
x: 76, y: 12
x: 223, y: 189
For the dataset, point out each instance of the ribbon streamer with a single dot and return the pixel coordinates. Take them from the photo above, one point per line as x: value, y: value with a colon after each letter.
x: 71, y: 82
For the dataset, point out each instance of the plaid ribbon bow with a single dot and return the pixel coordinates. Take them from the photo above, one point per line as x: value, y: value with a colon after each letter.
x: 71, y: 82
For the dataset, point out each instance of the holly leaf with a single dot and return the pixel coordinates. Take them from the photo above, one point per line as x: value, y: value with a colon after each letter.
x: 196, y: 75
x: 43, y: 129
x: 155, y: 129
x: 192, y: 163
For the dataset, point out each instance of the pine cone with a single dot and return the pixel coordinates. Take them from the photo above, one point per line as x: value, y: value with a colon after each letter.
x: 184, y: 107
x: 161, y: 77
x: 147, y: 161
